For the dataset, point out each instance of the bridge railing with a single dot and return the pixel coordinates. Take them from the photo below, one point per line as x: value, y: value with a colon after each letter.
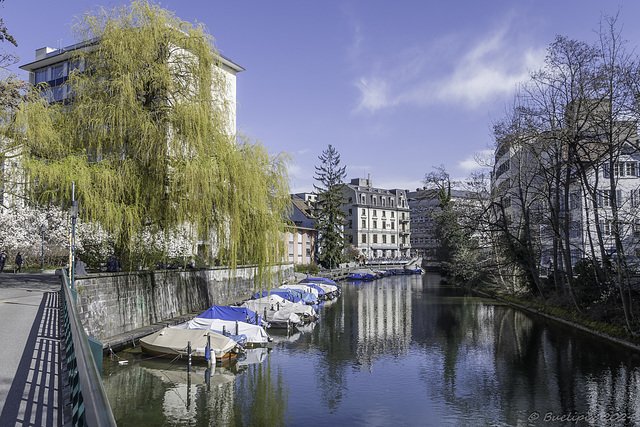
x: 90, y: 405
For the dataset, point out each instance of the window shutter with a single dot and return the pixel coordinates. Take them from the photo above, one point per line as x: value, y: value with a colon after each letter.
x: 605, y: 170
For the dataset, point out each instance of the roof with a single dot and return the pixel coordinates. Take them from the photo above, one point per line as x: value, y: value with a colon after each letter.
x: 51, y: 56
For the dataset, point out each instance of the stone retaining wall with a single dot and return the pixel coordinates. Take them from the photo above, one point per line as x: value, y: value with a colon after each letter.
x: 116, y: 303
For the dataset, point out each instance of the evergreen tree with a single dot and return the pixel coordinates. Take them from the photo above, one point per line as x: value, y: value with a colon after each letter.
x: 330, y: 221
x: 147, y: 139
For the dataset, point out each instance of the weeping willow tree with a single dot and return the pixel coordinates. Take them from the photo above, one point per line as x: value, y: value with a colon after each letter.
x: 146, y: 135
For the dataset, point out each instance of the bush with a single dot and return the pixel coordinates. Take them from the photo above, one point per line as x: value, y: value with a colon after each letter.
x: 307, y: 268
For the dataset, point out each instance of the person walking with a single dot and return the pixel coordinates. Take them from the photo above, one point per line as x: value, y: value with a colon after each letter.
x: 3, y: 259
x: 18, y: 262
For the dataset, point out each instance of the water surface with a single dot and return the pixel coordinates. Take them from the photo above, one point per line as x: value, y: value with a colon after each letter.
x: 403, y: 350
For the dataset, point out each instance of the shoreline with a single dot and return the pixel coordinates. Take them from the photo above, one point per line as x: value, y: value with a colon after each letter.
x: 628, y: 344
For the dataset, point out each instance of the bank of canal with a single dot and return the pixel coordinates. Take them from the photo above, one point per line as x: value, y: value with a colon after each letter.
x: 403, y: 350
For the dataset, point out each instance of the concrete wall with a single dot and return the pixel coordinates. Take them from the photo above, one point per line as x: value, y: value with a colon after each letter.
x: 118, y: 303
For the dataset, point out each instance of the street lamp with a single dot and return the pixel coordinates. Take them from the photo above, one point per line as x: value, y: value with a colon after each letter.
x: 42, y: 228
x: 72, y: 246
x: 74, y: 218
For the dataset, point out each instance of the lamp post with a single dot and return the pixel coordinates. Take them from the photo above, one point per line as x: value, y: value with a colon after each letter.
x: 74, y: 217
x: 42, y: 228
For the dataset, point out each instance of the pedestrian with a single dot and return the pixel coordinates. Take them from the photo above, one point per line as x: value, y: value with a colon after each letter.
x: 18, y: 262
x: 3, y: 259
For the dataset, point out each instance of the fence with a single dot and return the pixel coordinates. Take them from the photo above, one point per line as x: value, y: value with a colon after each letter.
x: 90, y: 406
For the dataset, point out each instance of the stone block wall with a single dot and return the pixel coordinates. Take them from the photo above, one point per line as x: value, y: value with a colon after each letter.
x: 117, y: 303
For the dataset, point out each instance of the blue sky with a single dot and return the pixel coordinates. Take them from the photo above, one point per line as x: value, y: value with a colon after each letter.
x: 396, y: 87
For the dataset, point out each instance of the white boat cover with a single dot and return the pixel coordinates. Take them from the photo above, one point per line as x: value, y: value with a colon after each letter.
x: 171, y: 341
x: 255, y: 334
x: 325, y: 287
x: 278, y: 309
x: 277, y: 303
x: 303, y: 288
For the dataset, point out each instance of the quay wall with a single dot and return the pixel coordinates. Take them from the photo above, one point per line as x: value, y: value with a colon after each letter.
x: 113, y: 304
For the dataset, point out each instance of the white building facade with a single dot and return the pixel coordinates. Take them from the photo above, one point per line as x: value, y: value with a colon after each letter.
x: 378, y: 221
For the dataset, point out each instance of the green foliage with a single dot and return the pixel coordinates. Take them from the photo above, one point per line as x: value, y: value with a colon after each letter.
x: 148, y: 141
x: 307, y: 268
x: 330, y: 221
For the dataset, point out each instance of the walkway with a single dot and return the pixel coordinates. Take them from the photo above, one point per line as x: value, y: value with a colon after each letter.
x: 29, y: 350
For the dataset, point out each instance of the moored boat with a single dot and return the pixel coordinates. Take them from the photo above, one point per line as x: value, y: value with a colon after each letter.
x: 172, y: 342
x: 253, y: 334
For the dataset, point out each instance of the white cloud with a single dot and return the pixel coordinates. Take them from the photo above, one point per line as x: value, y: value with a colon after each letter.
x: 472, y: 163
x: 373, y: 93
x: 426, y: 75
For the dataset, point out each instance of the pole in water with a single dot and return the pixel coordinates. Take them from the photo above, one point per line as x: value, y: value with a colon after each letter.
x: 189, y: 351
x: 237, y: 330
x: 207, y: 351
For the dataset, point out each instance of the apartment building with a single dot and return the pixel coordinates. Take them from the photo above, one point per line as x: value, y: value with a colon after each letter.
x: 302, y: 237
x: 604, y: 175
x: 378, y: 222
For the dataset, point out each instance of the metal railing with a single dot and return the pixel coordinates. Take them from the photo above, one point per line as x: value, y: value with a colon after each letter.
x: 90, y: 406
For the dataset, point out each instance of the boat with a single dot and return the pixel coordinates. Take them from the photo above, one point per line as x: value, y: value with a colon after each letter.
x: 253, y: 335
x: 173, y: 342
x: 310, y: 288
x: 362, y: 274
x: 323, y: 280
x: 241, y: 314
x: 330, y: 291
x: 281, y: 313
x: 293, y: 295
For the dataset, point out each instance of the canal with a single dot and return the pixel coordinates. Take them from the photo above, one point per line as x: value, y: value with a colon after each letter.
x: 403, y: 350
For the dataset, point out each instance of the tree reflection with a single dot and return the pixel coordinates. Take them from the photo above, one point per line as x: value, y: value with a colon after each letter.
x: 490, y: 359
x: 262, y: 396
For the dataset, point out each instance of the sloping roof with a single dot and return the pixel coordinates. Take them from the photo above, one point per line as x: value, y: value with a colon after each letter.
x: 303, y: 207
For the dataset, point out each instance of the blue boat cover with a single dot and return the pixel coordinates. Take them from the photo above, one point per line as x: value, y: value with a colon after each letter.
x: 319, y: 280
x: 316, y: 287
x: 241, y: 314
x: 284, y: 293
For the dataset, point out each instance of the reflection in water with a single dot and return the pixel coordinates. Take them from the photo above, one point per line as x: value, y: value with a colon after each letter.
x: 403, y: 350
x: 178, y: 397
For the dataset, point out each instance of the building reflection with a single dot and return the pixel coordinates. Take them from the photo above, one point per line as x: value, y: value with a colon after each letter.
x: 383, y: 316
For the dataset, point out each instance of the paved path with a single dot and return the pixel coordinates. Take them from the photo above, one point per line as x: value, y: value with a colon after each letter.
x: 29, y: 350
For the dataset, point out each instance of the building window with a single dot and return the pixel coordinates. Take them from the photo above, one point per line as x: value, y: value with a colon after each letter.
x: 384, y: 225
x: 364, y: 223
x: 607, y: 227
x: 393, y: 240
x: 574, y: 201
x: 375, y: 224
x: 393, y: 214
x: 375, y: 238
x: 393, y: 225
x: 384, y: 239
x: 364, y: 238
x: 635, y: 201
x: 375, y: 213
x: 384, y: 214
